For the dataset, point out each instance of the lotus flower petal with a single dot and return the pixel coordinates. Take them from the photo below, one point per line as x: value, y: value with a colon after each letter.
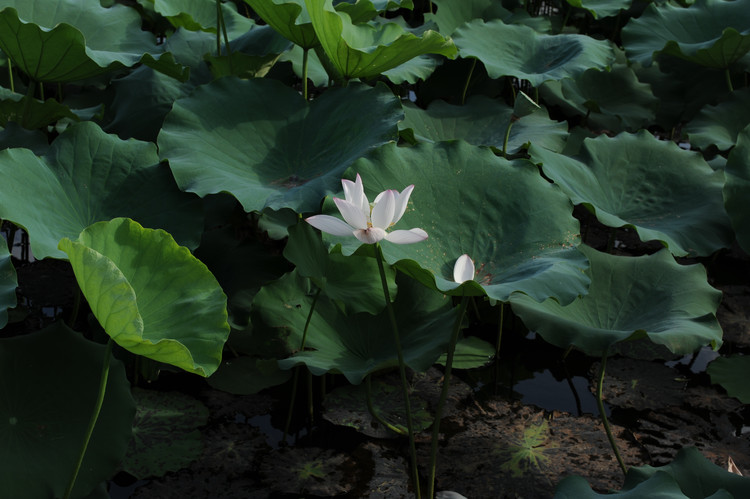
x: 464, y: 269
x: 351, y: 213
x: 406, y: 236
x: 384, y: 209
x: 331, y: 225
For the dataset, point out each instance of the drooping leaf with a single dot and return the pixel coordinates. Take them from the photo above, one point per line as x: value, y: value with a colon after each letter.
x: 297, y: 153
x: 450, y: 15
x: 470, y: 201
x: 31, y: 113
x: 200, y: 15
x: 8, y: 283
x: 660, y: 486
x: 152, y: 296
x: 471, y: 352
x: 89, y: 176
x: 721, y: 124
x: 521, y: 52
x: 737, y: 188
x: 630, y: 298
x: 664, y: 192
x: 51, y: 384
x: 288, y: 17
x: 602, y: 8
x: 248, y: 375
x: 732, y: 374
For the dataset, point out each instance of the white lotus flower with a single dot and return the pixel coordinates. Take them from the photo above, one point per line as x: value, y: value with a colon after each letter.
x: 463, y: 270
x: 367, y: 221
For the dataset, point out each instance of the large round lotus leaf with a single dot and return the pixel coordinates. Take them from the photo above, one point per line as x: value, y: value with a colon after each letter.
x: 712, y: 33
x: 484, y: 121
x: 367, y: 50
x: 260, y: 141
x: 8, y: 283
x: 602, y: 8
x: 359, y: 344
x: 69, y: 40
x: 200, y: 15
x: 629, y: 298
x: 732, y: 374
x: 520, y: 51
x: 659, y: 486
x: 471, y: 201
x: 288, y: 17
x: 719, y: 125
x: 88, y: 176
x: 50, y: 384
x: 450, y: 15
x: 152, y: 296
x: 664, y: 192
x: 737, y: 188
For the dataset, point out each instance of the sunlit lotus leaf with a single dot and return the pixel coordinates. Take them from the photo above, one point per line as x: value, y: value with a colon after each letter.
x: 32, y: 114
x: 630, y: 298
x: 165, y: 433
x: 69, y: 40
x: 483, y: 121
x: 89, y: 176
x: 602, y: 8
x: 712, y: 33
x: 8, y: 283
x: 152, y: 296
x: 358, y: 344
x: 737, y: 188
x: 719, y: 125
x: 413, y: 70
x: 247, y: 375
x: 45, y: 410
x: 471, y: 201
x: 288, y: 17
x: 262, y: 142
x: 200, y: 15
x: 367, y: 50
x: 521, y: 52
x: 614, y: 100
x: 664, y: 192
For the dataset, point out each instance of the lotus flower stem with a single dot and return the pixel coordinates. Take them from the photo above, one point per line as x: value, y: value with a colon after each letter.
x: 305, y: 54
x: 94, y: 416
x: 374, y: 413
x: 444, y: 396
x: 402, y: 371
x: 468, y: 79
x: 10, y: 76
x: 600, y: 405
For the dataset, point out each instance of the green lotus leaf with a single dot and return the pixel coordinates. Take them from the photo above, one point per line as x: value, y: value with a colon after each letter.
x: 88, y: 176
x: 368, y: 50
x: 737, y: 188
x: 358, y: 344
x: 14, y: 135
x: 152, y: 296
x: 521, y: 52
x: 70, y: 40
x: 484, y: 121
x: 471, y: 352
x: 721, y: 124
x: 165, y: 433
x: 31, y: 113
x: 262, y: 142
x: 470, y: 201
x: 8, y: 283
x: 660, y: 486
x: 712, y: 33
x: 732, y: 374
x: 413, y: 70
x: 602, y: 8
x: 629, y: 298
x: 52, y: 379
x: 200, y: 15
x: 248, y: 375
x: 450, y: 15
x: 288, y: 17
x: 664, y: 192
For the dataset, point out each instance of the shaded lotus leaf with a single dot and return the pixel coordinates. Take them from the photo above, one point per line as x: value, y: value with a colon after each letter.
x: 45, y: 411
x: 152, y: 296
x: 248, y: 375
x: 712, y: 33
x: 662, y: 191
x: 450, y: 15
x: 721, y: 124
x: 661, y: 485
x: 253, y: 54
x: 368, y: 50
x: 359, y: 344
x: 313, y: 471
x: 89, y: 176
x: 471, y: 201
x: 31, y: 113
x: 205, y: 138
x: 69, y: 40
x: 483, y: 121
x: 289, y: 18
x: 413, y: 70
x: 696, y: 476
x: 361, y: 11
x: 316, y: 73
x: 732, y: 374
x: 629, y: 298
x: 200, y: 15
x: 602, y: 8
x: 165, y: 433
x: 612, y: 100
x: 471, y: 352
x: 14, y: 135
x: 737, y: 188
x: 8, y: 283
x: 521, y: 52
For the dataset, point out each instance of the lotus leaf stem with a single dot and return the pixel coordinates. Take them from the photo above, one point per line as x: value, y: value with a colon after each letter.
x: 27, y: 104
x: 305, y: 56
x: 10, y: 75
x: 221, y: 28
x: 370, y: 407
x: 728, y: 76
x: 444, y: 396
x: 468, y: 79
x: 605, y: 422
x: 94, y: 415
x: 401, y: 369
x: 500, y: 330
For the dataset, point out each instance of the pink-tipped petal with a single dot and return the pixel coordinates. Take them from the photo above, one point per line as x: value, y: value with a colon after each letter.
x: 402, y: 200
x: 382, y: 212
x: 406, y: 236
x: 464, y: 269
x: 331, y: 225
x: 371, y: 235
x: 351, y: 213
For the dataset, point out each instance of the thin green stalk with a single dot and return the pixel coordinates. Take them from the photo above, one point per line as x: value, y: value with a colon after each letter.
x: 94, y: 416
x: 444, y: 396
x: 500, y: 330
x: 218, y: 28
x: 729, y: 80
x: 10, y: 76
x: 310, y: 409
x: 507, y: 136
x: 374, y: 413
x: 402, y: 371
x: 305, y: 54
x: 41, y: 91
x: 468, y: 79
x: 27, y: 103
x: 600, y: 405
